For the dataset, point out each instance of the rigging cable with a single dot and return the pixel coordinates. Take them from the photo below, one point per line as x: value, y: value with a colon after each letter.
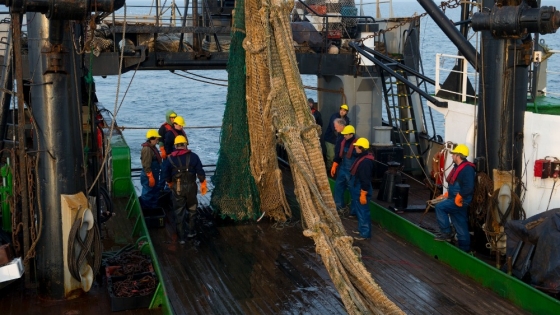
x: 115, y: 110
x: 184, y: 76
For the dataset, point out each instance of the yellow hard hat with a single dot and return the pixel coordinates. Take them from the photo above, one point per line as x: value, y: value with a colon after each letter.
x: 362, y: 142
x: 152, y: 133
x: 344, y: 106
x: 461, y: 149
x: 179, y: 121
x: 348, y: 130
x: 180, y: 140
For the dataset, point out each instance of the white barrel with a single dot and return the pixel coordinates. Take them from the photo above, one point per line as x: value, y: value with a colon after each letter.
x: 382, y: 135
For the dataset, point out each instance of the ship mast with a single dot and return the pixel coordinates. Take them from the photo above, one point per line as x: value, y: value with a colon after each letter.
x: 56, y: 105
x: 507, y: 48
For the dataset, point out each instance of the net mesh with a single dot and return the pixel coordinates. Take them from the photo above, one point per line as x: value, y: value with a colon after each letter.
x: 276, y: 110
x: 235, y: 193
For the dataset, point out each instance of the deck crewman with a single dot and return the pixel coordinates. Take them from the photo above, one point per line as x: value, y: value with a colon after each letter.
x: 170, y: 135
x: 182, y: 169
x: 170, y: 116
x: 315, y: 112
x: 345, y: 157
x: 332, y: 133
x: 457, y: 199
x: 151, y: 167
x: 361, y: 189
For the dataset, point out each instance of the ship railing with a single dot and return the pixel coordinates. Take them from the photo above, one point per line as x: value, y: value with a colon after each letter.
x: 464, y: 73
x: 334, y: 20
x: 552, y: 71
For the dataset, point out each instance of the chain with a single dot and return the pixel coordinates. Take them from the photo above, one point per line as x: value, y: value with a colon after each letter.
x: 452, y: 4
x: 32, y: 217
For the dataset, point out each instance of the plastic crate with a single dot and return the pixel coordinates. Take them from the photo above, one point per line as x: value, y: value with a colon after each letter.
x: 132, y: 302
x: 155, y: 217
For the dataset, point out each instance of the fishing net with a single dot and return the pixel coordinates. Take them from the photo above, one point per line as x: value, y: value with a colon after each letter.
x: 235, y: 192
x: 264, y: 164
x: 276, y: 94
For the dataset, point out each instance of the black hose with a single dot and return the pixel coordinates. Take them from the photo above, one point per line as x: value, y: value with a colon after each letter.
x: 103, y: 216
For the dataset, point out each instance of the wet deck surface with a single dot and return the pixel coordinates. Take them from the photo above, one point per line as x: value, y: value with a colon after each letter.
x: 15, y: 299
x: 262, y: 268
x: 259, y: 268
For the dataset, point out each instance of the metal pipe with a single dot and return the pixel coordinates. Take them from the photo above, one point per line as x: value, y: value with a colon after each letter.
x: 183, y: 24
x: 452, y: 33
x: 56, y: 112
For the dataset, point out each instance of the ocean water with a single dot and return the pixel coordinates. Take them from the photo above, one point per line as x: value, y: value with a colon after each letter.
x: 145, y: 96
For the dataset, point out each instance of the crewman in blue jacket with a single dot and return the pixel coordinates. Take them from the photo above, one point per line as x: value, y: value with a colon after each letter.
x: 151, y: 166
x: 182, y: 169
x: 345, y: 157
x: 361, y: 190
x: 459, y: 195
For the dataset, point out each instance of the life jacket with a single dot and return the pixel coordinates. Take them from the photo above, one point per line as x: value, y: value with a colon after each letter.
x: 167, y: 126
x: 156, y: 152
x: 452, y: 177
x: 350, y: 148
x: 354, y: 167
x: 182, y: 173
x: 176, y: 132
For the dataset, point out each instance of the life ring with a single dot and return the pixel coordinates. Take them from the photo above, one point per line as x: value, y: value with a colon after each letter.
x: 438, y: 167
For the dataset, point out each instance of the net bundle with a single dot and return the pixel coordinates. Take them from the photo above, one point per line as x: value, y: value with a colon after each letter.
x: 282, y: 99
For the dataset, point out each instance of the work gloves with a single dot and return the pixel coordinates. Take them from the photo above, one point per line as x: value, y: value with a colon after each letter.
x: 151, y: 179
x: 163, y: 153
x: 333, y: 168
x: 363, y: 199
x: 203, y: 188
x: 170, y: 185
x: 459, y: 200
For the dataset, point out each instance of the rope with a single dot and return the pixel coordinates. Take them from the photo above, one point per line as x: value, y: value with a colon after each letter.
x: 89, y: 249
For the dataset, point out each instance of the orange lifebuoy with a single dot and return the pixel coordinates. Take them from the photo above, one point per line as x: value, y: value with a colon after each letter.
x: 438, y: 167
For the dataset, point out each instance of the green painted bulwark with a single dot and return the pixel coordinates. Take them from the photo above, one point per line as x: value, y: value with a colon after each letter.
x: 120, y: 162
x: 545, y: 105
x: 509, y: 287
x: 123, y: 187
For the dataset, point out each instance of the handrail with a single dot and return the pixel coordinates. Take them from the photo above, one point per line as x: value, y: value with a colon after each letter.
x: 365, y: 51
x: 337, y: 16
x: 464, y: 73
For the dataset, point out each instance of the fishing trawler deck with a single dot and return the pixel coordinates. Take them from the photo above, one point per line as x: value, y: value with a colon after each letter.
x: 266, y: 268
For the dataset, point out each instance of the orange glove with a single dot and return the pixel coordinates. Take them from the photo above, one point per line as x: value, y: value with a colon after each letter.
x: 459, y: 200
x: 163, y: 153
x: 333, y: 168
x: 444, y: 196
x: 151, y: 179
x: 203, y: 188
x: 363, y: 199
x: 170, y: 184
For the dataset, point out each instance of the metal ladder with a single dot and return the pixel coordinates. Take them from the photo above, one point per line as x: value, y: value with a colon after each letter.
x: 6, y: 82
x: 398, y: 100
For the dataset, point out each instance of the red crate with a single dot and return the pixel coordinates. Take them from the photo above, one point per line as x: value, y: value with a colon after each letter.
x: 319, y: 9
x: 542, y: 168
x: 335, y: 34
